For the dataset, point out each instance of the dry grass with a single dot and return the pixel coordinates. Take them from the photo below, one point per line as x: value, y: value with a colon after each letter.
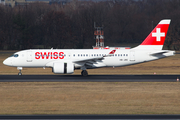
x: 89, y: 98
x: 170, y: 65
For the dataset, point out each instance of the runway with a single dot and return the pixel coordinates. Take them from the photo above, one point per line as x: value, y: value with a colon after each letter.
x: 90, y: 117
x: 90, y: 78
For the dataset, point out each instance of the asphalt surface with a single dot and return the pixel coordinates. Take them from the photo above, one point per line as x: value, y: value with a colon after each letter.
x: 90, y: 78
x: 90, y: 117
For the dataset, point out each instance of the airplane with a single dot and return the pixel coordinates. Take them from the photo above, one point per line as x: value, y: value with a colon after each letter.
x: 65, y: 61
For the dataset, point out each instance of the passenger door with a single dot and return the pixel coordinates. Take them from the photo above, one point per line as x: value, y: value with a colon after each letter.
x: 29, y: 56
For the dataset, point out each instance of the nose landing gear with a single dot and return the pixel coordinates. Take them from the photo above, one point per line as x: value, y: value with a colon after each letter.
x: 19, y: 72
x: 19, y: 68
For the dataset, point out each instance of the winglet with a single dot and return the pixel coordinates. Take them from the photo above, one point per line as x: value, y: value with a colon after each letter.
x: 112, y: 52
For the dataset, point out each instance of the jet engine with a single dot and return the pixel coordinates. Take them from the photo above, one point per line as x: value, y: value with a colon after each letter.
x: 63, y: 68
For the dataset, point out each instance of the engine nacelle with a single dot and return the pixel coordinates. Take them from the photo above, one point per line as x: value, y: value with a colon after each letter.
x: 63, y: 68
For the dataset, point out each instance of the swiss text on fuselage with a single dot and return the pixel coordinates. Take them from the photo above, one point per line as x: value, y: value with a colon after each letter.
x: 49, y: 55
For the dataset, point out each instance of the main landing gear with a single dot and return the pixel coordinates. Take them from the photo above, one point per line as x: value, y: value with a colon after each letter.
x: 84, y: 73
x: 19, y: 68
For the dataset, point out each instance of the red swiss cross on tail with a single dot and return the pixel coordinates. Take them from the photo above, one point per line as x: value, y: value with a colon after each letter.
x: 158, y: 35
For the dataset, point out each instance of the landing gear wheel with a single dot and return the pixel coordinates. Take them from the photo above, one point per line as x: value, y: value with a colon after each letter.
x: 19, y: 73
x: 84, y: 73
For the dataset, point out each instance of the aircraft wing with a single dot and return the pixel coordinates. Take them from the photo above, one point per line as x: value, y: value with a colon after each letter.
x: 88, y: 59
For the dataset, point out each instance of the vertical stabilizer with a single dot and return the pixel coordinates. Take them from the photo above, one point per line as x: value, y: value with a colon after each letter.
x: 156, y: 38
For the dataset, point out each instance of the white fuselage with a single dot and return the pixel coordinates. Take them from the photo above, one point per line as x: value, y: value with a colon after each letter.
x: 80, y: 57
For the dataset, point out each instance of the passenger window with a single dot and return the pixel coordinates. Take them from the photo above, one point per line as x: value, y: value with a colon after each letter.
x: 86, y: 54
x: 74, y: 55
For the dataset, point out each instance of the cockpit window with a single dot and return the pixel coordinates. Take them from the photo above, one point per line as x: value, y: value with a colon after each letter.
x: 15, y: 55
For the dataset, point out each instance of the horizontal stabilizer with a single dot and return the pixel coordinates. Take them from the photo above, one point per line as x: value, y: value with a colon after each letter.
x: 162, y: 52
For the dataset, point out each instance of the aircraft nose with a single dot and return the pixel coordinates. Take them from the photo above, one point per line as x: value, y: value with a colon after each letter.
x: 7, y: 62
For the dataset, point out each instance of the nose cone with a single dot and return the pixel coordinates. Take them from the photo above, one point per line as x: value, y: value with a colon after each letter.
x: 7, y: 62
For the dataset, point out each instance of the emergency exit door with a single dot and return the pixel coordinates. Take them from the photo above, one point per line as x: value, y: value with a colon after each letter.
x: 132, y: 56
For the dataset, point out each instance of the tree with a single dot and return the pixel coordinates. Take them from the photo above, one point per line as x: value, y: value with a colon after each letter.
x: 57, y: 30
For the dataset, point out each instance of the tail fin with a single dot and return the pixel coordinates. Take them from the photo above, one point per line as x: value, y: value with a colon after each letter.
x: 156, y: 38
